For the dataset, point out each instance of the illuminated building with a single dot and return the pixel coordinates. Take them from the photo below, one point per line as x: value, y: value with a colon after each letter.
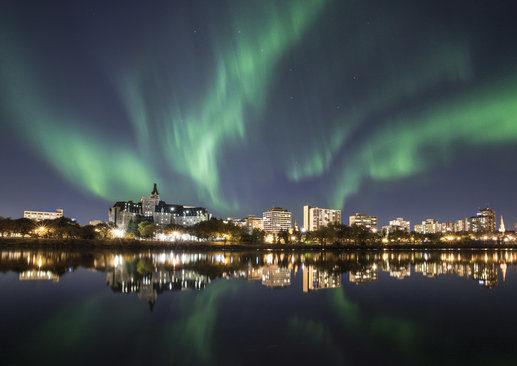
x: 277, y: 219
x: 149, y: 203
x: 447, y: 227
x: 254, y: 222
x: 315, y: 279
x: 460, y: 226
x: 483, y: 222
x: 123, y: 212
x: 43, y: 215
x: 160, y: 212
x: 428, y: 226
x: 315, y: 217
x: 363, y: 220
x: 398, y: 224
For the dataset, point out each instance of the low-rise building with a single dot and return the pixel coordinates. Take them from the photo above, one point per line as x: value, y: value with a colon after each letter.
x: 43, y: 215
x: 254, y: 222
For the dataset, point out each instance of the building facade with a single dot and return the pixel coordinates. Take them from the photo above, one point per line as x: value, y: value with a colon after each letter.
x: 43, y: 215
x: 364, y: 220
x: 315, y: 217
x: 484, y: 222
x: 398, y: 224
x: 151, y: 208
x: 428, y: 226
x: 277, y: 219
x: 254, y: 222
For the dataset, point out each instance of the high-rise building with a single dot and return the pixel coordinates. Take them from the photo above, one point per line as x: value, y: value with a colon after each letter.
x: 277, y: 219
x: 315, y: 217
x: 460, y: 226
x: 367, y: 221
x: 483, y: 222
x: 428, y: 226
x: 43, y: 215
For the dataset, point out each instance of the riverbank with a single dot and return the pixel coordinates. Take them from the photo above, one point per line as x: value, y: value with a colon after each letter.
x: 119, y: 244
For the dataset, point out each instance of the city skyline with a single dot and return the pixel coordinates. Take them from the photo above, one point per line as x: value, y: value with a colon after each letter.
x: 238, y: 107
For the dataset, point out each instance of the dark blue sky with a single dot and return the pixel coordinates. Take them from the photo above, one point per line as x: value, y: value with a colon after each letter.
x: 396, y: 108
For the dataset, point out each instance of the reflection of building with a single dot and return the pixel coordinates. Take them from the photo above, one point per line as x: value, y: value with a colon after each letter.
x: 124, y: 278
x: 368, y: 274
x: 275, y: 276
x: 43, y: 215
x: 277, y: 219
x: 315, y: 279
x: 36, y: 275
x: 315, y: 217
x: 160, y: 212
x: 367, y: 221
x: 486, y: 275
x: 400, y: 272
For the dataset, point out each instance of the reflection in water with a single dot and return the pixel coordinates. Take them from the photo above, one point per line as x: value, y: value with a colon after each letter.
x: 327, y: 307
x: 149, y: 274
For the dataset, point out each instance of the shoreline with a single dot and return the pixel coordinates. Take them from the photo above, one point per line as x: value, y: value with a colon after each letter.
x: 137, y: 245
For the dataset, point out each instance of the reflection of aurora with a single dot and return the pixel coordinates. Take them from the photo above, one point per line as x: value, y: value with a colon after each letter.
x: 191, y: 337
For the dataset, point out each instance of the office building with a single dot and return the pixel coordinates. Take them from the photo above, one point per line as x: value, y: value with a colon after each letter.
x: 315, y: 217
x: 277, y: 219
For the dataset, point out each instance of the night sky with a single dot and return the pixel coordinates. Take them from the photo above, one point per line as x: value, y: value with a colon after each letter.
x: 395, y: 108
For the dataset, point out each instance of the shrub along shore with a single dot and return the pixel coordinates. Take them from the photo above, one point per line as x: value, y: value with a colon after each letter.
x: 133, y: 244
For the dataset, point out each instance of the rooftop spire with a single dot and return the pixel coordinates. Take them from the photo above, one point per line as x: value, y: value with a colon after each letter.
x: 502, y: 229
x: 155, y: 190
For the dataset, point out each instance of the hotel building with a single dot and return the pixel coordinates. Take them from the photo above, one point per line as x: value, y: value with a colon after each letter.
x: 153, y: 209
x: 315, y: 217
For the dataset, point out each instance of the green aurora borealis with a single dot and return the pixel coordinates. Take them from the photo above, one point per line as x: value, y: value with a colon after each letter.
x: 239, y: 106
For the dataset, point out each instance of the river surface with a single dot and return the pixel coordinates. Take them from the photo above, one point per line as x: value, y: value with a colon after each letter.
x: 258, y: 308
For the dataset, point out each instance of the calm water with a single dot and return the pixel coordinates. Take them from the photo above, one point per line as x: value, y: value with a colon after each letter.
x: 258, y: 308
